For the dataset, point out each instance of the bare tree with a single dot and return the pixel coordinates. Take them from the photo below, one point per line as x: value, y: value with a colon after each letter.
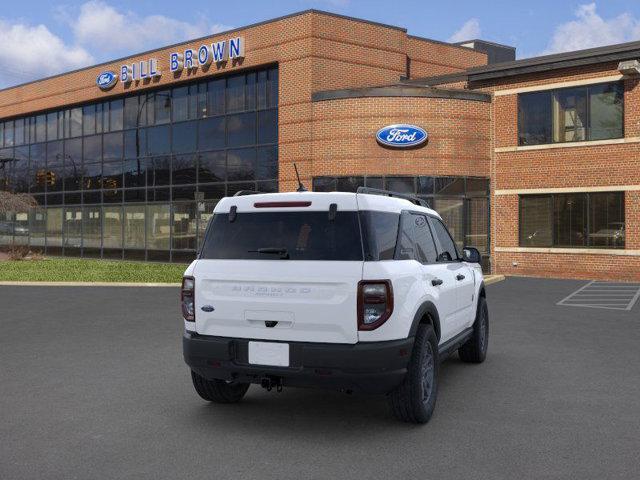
x: 16, y: 202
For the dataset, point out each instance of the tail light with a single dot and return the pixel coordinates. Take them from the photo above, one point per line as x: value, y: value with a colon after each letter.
x: 375, y: 303
x: 188, y: 299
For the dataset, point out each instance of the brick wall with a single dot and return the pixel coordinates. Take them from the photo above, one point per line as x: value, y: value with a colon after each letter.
x: 344, y: 137
x: 577, y: 168
x: 429, y: 58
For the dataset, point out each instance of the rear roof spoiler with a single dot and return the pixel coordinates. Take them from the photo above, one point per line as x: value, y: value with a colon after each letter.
x: 388, y: 193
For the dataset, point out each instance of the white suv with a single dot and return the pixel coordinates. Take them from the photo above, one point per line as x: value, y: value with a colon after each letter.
x: 353, y: 291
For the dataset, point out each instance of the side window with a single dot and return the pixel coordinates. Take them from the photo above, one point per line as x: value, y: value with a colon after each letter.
x: 405, y: 246
x: 447, y: 252
x: 425, y: 246
x: 380, y: 232
x: 415, y: 241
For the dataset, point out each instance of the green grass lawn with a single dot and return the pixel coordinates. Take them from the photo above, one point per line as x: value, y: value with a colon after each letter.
x: 84, y: 270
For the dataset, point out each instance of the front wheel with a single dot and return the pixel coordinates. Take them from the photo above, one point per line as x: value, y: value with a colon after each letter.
x: 475, y: 349
x: 415, y: 399
x: 218, y: 391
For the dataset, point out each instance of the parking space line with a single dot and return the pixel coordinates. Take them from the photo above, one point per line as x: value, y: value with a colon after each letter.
x: 613, y: 296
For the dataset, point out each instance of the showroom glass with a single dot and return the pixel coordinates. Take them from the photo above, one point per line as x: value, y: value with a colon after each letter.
x: 594, y: 220
x: 121, y: 177
x: 593, y: 112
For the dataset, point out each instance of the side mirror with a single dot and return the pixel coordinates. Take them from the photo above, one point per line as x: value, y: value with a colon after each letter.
x: 471, y: 255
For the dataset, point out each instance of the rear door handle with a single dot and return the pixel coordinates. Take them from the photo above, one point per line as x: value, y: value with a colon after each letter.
x: 459, y: 277
x: 436, y: 281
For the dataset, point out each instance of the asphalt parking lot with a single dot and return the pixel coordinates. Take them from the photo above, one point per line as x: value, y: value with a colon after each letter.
x: 92, y: 385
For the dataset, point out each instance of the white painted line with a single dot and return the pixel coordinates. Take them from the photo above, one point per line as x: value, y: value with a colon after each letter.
x: 612, y: 296
x: 579, y: 290
x: 593, y: 306
x: 633, y: 300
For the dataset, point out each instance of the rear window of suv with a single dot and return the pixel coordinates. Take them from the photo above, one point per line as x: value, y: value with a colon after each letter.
x: 284, y: 235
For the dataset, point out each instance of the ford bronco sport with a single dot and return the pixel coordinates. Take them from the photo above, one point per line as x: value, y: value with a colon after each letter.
x: 358, y: 291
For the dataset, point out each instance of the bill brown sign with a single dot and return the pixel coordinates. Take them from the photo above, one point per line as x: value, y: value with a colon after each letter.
x: 189, y: 59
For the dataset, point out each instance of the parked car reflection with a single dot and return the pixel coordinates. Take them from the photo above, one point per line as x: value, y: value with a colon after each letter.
x: 610, y: 236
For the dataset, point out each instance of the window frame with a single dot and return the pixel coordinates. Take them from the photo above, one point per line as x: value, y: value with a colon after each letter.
x: 552, y: 93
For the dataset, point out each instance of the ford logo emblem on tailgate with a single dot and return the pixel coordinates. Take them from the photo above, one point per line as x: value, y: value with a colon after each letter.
x: 106, y: 80
x: 401, y: 136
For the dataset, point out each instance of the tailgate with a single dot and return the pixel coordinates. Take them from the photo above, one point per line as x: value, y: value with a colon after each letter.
x: 303, y: 301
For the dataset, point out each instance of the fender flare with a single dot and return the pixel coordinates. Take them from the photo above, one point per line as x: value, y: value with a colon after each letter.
x: 482, y: 292
x: 430, y: 309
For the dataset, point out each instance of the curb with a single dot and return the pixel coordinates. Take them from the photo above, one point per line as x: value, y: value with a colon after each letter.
x: 88, y: 284
x: 489, y: 279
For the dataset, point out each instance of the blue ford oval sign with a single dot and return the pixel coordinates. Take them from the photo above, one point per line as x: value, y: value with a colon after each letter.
x: 106, y: 80
x: 401, y: 136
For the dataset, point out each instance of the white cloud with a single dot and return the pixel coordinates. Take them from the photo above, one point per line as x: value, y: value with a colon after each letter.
x: 591, y: 30
x: 469, y: 31
x: 104, y: 29
x: 28, y: 52
x: 97, y: 32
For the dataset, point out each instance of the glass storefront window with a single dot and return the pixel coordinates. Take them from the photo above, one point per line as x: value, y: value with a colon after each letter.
x: 97, y: 167
x: 184, y: 226
x: 37, y: 227
x: 595, y: 220
x: 452, y: 213
x: 134, y: 226
x: 158, y: 227
x: 112, y: 227
x: 477, y: 232
x: 212, y: 133
x: 6, y: 228
x: 241, y: 130
x: 536, y: 216
x: 400, y: 184
x: 162, y: 107
x: 54, y: 227
x: 72, y: 230
x: 606, y: 220
x: 184, y: 137
x: 92, y: 227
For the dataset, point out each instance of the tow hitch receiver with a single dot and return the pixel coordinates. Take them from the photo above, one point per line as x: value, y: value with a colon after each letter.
x: 270, y: 382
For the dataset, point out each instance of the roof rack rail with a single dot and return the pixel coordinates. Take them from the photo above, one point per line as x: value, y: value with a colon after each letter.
x: 388, y: 193
x: 242, y: 193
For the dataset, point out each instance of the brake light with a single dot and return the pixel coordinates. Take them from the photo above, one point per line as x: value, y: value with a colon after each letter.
x: 188, y: 298
x: 281, y: 204
x: 375, y: 303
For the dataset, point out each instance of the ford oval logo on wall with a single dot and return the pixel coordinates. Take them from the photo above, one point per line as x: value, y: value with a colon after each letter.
x: 106, y: 80
x: 401, y: 136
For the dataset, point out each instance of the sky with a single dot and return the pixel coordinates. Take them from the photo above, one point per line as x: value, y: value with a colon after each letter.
x: 39, y: 38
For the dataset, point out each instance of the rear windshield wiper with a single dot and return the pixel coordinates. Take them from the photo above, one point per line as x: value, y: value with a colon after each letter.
x: 284, y: 254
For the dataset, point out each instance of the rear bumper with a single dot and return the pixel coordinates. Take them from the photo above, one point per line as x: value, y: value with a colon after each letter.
x: 372, y: 367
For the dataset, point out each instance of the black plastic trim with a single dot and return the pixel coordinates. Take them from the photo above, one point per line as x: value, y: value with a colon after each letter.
x: 426, y: 308
x: 373, y: 367
x: 451, y: 345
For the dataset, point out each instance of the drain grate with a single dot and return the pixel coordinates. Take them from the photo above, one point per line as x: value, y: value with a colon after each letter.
x: 610, y: 295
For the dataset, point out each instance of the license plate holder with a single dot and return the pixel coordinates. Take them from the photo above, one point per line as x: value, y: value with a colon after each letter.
x: 269, y: 353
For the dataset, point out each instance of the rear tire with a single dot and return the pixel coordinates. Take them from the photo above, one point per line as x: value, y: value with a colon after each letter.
x: 218, y: 391
x: 475, y: 349
x: 415, y: 399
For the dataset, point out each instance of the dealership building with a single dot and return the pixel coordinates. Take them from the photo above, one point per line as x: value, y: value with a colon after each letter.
x: 535, y: 162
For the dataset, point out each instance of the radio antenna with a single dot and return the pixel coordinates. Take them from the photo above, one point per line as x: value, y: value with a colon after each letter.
x: 301, y: 187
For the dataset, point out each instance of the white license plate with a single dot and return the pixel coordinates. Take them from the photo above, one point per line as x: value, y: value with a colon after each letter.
x: 269, y: 353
